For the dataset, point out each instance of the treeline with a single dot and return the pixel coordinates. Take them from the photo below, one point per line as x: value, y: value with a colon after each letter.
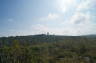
x: 47, y: 49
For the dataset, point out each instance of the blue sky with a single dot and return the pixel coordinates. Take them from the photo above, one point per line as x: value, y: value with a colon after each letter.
x: 62, y: 17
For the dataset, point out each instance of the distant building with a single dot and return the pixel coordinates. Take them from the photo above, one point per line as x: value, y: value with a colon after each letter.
x: 47, y: 33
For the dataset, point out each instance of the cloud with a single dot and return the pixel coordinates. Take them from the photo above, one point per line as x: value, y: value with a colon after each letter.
x: 10, y: 20
x: 41, y: 28
x: 65, y: 5
x: 85, y: 5
x: 50, y: 16
x: 81, y: 22
x: 80, y: 18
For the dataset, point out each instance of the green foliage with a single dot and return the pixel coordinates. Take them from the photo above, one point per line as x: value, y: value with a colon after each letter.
x: 47, y: 49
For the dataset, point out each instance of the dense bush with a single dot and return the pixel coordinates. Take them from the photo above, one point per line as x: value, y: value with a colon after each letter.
x: 47, y: 49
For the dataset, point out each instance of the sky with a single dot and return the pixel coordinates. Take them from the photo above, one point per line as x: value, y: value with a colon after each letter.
x: 59, y: 17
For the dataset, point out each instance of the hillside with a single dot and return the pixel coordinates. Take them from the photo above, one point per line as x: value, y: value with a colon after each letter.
x: 43, y: 38
x: 48, y: 49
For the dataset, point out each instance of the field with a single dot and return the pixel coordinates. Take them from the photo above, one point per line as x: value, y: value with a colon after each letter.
x: 48, y: 49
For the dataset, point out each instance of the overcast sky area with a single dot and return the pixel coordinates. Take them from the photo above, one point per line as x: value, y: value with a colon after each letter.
x: 59, y: 17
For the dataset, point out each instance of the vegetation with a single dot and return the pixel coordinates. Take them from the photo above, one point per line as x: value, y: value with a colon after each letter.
x: 48, y: 49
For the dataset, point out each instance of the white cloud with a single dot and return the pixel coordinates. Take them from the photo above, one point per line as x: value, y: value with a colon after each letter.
x: 41, y: 28
x: 79, y: 23
x: 50, y: 16
x: 85, y: 4
x: 80, y: 18
x: 64, y: 5
x: 10, y: 20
